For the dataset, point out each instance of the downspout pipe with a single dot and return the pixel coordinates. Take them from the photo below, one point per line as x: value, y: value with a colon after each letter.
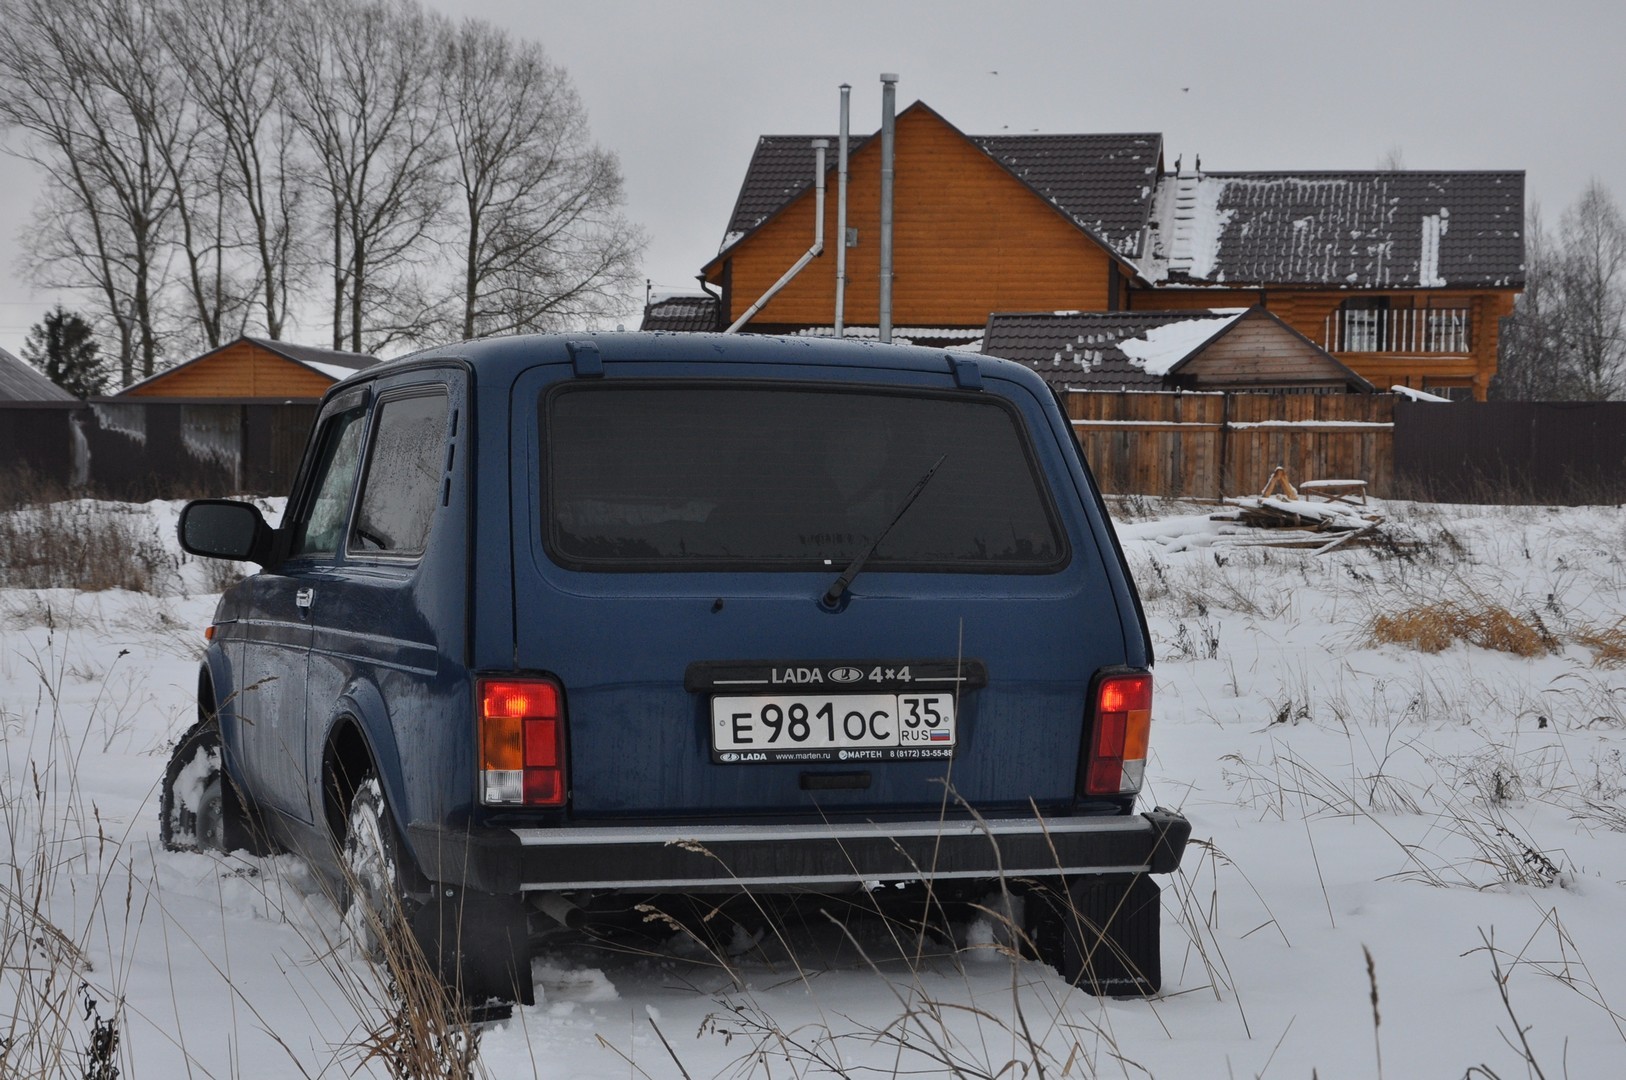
x: 841, y: 214
x: 819, y: 147
x: 889, y: 92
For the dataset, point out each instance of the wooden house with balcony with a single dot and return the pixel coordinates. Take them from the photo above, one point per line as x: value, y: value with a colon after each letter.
x: 1404, y: 276
x: 1401, y: 276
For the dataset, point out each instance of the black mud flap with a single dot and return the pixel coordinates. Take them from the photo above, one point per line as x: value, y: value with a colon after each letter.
x: 1102, y: 934
x: 479, y: 945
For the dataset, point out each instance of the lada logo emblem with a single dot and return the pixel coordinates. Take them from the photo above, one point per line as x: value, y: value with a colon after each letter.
x: 845, y: 675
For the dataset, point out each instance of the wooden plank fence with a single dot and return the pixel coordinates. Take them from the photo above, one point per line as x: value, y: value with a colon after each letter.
x: 1206, y: 445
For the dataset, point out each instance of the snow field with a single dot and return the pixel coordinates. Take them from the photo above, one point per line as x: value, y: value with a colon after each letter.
x: 1434, y: 828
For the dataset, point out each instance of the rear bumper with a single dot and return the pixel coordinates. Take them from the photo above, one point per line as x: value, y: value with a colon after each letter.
x: 816, y: 855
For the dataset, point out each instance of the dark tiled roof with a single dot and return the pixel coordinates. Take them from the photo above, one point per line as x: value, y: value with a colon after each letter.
x: 1102, y: 183
x: 1082, y: 348
x: 21, y: 381
x: 1348, y: 230
x: 690, y: 314
x: 781, y: 168
x: 311, y: 354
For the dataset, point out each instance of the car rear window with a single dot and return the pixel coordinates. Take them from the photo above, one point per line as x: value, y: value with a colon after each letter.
x: 688, y: 476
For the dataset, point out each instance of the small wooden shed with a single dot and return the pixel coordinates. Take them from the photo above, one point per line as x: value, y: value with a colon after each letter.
x: 251, y: 368
x: 1222, y: 349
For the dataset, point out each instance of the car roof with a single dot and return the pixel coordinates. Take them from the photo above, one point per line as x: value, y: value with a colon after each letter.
x: 501, y: 356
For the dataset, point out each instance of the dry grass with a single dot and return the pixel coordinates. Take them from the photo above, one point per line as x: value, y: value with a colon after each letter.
x: 1432, y: 628
x: 59, y: 1015
x: 86, y: 546
x: 1608, y: 646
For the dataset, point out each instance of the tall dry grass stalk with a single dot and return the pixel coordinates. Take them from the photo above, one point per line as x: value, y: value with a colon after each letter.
x: 64, y: 1016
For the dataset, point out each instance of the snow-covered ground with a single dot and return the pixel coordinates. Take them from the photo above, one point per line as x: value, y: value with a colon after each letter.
x: 1405, y: 863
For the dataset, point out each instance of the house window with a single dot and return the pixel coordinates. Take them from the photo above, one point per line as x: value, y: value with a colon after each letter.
x: 1362, y: 320
x: 1456, y: 392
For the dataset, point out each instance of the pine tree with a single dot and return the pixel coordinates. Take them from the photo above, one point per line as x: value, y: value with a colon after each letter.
x: 64, y: 347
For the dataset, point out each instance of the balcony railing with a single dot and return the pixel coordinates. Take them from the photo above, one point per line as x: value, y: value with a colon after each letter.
x: 1399, y: 330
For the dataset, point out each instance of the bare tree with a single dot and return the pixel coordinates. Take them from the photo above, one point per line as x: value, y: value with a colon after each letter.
x: 362, y: 74
x: 542, y: 241
x: 71, y: 78
x: 1566, y: 340
x: 235, y: 78
x: 1594, y: 283
x: 1531, y: 364
x: 202, y: 158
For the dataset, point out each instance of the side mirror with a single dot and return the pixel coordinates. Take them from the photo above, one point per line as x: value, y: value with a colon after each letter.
x: 224, y: 529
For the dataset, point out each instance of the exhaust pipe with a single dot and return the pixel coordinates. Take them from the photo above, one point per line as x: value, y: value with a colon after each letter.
x: 889, y: 89
x: 561, y: 911
x: 819, y: 147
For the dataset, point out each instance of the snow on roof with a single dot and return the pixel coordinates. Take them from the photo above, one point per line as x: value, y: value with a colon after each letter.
x: 661, y: 296
x: 1417, y: 395
x: 1162, y: 347
x: 1351, y: 230
x: 332, y: 371
x: 873, y: 333
x: 1191, y: 220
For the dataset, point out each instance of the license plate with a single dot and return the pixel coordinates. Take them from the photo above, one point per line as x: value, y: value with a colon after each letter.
x: 832, y: 727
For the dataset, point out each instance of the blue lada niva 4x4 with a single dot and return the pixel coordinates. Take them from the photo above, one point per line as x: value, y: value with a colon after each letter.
x: 554, y: 627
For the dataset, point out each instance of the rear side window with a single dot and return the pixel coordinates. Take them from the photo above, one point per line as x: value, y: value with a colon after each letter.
x: 403, y: 479
x: 689, y: 476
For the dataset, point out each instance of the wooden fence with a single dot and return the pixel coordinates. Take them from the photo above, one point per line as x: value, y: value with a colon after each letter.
x: 1211, y: 445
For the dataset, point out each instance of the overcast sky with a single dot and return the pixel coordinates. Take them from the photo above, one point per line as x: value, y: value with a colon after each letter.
x: 682, y: 90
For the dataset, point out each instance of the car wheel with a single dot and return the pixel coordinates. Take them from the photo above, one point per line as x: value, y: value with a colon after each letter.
x: 376, y: 908
x: 191, y: 804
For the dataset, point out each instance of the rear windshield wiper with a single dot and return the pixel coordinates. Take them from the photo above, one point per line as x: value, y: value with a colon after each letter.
x: 838, y: 588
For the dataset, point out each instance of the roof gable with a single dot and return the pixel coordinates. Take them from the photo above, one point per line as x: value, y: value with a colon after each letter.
x: 1102, y: 184
x: 331, y: 364
x: 1339, y: 229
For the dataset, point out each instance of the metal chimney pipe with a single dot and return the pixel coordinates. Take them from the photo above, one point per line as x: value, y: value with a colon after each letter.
x: 841, y: 214
x: 819, y: 147
x: 889, y: 92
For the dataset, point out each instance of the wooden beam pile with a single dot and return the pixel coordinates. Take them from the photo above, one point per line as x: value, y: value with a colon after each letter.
x: 1322, y: 525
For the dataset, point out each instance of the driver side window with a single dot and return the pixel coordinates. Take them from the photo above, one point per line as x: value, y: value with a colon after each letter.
x: 323, y: 523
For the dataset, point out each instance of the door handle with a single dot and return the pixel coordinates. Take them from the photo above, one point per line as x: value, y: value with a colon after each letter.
x: 304, y: 597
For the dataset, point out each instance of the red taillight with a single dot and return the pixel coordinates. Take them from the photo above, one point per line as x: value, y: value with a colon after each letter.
x: 522, y: 735
x: 1118, y: 739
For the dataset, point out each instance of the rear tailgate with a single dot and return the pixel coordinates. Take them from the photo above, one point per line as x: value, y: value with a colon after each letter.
x: 711, y: 683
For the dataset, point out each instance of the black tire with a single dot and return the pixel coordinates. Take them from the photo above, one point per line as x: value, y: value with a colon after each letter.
x: 374, y: 899
x: 200, y: 808
x: 192, y: 802
x: 475, y: 944
x: 1102, y: 934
